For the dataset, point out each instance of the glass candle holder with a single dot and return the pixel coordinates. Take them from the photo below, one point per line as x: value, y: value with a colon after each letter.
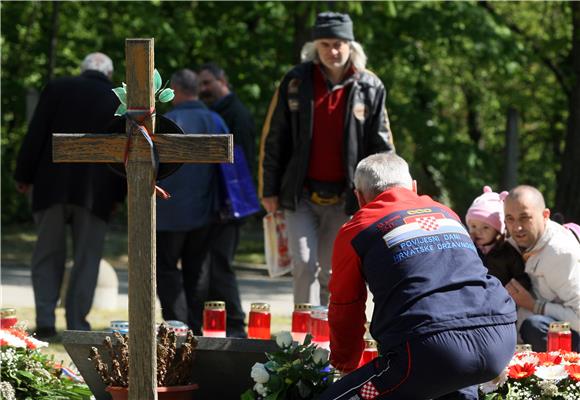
x: 301, y: 321
x: 259, y: 321
x: 178, y: 327
x: 559, y: 337
x: 214, y: 319
x: 369, y: 353
x: 523, y: 348
x: 119, y: 326
x: 319, y: 327
x: 7, y: 318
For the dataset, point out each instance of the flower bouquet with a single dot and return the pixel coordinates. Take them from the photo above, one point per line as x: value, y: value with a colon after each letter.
x: 294, y: 372
x: 537, y: 376
x: 26, y: 373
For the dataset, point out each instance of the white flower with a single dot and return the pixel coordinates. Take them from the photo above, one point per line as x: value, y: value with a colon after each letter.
x: 551, y: 372
x: 261, y: 389
x: 284, y: 339
x: 548, y: 388
x: 259, y: 373
x: 11, y: 340
x: 320, y: 356
x: 7, y: 391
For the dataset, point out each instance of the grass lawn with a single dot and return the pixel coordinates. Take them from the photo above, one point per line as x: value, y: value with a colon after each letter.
x: 18, y: 244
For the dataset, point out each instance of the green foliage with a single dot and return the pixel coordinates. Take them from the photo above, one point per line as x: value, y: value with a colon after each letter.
x: 34, y: 375
x: 452, y: 70
x: 295, y: 371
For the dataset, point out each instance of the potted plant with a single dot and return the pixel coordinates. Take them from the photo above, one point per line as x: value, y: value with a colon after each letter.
x: 174, y: 365
x: 296, y: 371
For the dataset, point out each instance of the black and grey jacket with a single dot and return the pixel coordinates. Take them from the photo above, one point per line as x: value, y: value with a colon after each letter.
x: 287, y: 133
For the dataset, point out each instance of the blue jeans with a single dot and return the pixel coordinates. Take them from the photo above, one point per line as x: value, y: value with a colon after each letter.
x: 444, y: 365
x: 534, y: 331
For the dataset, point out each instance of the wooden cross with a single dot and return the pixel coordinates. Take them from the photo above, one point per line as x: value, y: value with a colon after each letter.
x: 110, y: 148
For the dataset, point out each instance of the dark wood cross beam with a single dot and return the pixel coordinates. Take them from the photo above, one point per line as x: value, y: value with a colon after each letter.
x: 110, y: 148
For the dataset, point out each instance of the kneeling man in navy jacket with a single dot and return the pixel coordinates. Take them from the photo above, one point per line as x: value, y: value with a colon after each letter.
x: 443, y: 324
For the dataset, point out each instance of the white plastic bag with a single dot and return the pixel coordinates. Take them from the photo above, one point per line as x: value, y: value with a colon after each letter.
x: 276, y: 244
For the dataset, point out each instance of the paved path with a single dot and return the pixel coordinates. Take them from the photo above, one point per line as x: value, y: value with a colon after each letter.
x: 255, y: 286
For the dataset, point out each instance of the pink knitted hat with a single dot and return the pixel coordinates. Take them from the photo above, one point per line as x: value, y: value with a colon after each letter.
x: 488, y: 208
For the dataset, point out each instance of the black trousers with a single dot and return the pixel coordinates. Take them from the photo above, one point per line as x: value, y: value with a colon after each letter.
x: 218, y: 280
x: 177, y: 288
x: 206, y: 274
x: 446, y: 365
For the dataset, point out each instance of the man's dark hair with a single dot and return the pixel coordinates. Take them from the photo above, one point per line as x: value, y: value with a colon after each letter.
x: 186, y: 80
x: 214, y: 69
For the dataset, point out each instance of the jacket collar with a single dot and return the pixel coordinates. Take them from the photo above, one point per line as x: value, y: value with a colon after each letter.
x: 94, y: 74
x: 223, y: 102
x: 190, y: 104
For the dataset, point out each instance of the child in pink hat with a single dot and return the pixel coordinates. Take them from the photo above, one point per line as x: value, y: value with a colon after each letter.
x: 485, y: 222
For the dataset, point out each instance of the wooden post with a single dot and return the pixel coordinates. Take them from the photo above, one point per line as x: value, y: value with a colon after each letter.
x: 109, y: 148
x: 141, y: 210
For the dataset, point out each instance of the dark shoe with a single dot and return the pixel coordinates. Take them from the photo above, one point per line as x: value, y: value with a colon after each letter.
x: 44, y: 333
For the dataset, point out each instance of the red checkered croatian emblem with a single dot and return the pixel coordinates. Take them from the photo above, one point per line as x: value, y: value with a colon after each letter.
x: 369, y: 391
x: 428, y: 223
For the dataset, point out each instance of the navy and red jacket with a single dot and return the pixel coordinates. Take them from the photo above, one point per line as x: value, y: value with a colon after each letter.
x: 423, y: 271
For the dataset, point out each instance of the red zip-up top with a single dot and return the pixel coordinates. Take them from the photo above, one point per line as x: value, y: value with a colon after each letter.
x: 326, y: 163
x: 422, y: 269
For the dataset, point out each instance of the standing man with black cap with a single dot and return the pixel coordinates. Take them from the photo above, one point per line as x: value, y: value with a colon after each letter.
x: 327, y: 114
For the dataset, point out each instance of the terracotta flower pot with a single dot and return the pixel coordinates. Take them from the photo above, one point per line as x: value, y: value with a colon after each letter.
x: 163, y: 392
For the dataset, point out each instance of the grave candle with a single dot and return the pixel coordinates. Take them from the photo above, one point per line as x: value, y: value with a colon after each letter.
x: 369, y: 353
x: 119, y: 326
x: 559, y: 337
x: 178, y: 327
x: 319, y: 327
x: 214, y: 319
x: 523, y: 348
x: 259, y: 322
x: 7, y: 318
x: 301, y: 321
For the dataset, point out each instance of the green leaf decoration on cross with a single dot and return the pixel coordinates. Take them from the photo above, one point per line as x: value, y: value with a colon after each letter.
x: 157, y: 81
x: 166, y: 95
x: 121, y: 93
x: 162, y: 94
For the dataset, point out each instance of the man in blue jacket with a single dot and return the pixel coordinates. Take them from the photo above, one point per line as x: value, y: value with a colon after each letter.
x: 443, y: 324
x: 188, y: 222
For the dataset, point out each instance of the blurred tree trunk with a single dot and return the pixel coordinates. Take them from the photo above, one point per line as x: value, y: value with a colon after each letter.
x: 568, y: 184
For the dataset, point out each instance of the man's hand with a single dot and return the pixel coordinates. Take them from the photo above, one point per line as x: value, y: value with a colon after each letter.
x: 23, y: 188
x: 521, y: 296
x: 270, y: 204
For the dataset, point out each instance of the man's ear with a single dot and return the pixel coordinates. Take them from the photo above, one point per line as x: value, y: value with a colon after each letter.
x: 546, y: 213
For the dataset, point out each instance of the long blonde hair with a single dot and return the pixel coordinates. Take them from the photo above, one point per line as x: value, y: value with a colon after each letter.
x: 358, y: 57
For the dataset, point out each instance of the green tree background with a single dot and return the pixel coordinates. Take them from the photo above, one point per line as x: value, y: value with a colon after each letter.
x: 452, y: 71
